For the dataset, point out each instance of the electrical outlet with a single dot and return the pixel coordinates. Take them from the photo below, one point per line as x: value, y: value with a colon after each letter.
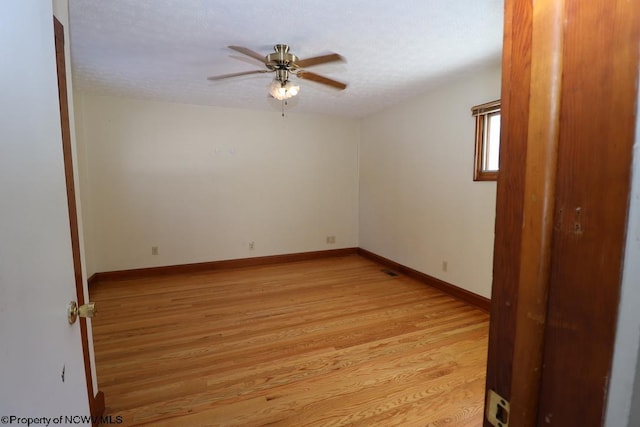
x: 331, y: 239
x: 154, y: 250
x: 252, y: 245
x: 445, y: 266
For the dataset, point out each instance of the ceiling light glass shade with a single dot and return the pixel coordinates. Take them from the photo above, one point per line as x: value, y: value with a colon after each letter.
x: 281, y: 91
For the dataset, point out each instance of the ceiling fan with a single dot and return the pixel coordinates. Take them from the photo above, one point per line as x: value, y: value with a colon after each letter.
x: 285, y: 64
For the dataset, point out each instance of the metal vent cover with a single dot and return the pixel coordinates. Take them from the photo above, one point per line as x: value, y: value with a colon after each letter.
x: 390, y: 272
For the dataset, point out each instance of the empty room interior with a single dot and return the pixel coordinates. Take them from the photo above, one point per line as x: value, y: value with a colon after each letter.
x: 276, y: 260
x: 284, y: 213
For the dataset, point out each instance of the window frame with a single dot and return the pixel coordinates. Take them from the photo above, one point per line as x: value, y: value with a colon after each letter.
x: 483, y: 113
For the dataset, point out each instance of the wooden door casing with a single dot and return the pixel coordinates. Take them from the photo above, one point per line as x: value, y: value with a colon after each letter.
x: 569, y: 95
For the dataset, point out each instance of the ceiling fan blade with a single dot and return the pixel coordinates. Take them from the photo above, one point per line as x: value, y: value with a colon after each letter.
x: 316, y: 60
x: 308, y: 75
x: 248, y: 52
x: 242, y: 73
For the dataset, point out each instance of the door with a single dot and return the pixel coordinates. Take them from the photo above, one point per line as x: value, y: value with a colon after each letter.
x: 42, y: 369
x: 570, y: 74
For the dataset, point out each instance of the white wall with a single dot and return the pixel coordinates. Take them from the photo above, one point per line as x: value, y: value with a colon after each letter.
x: 623, y: 403
x: 634, y: 417
x: 419, y: 205
x: 202, y: 182
x: 36, y: 263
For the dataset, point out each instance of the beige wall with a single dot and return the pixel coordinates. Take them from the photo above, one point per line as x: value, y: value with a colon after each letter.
x: 201, y: 183
x: 419, y: 205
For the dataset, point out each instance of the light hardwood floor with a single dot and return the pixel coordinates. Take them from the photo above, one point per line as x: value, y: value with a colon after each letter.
x: 328, y: 342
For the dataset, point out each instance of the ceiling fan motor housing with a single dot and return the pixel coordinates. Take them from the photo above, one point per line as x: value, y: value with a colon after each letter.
x: 281, y: 59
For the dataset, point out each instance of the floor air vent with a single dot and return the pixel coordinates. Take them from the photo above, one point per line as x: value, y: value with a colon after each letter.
x: 389, y: 272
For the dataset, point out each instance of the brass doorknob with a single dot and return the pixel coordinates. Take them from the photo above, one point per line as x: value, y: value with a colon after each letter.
x: 85, y: 310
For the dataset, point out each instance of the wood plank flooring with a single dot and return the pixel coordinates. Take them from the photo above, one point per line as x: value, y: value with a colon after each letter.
x: 328, y: 342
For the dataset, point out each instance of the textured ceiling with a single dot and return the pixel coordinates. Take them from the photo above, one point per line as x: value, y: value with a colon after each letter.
x: 166, y: 49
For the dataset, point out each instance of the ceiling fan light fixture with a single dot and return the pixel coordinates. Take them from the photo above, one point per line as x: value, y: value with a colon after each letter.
x: 282, y: 91
x: 292, y: 89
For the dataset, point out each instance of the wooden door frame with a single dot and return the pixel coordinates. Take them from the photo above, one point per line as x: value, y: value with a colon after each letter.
x: 96, y: 400
x: 560, y: 233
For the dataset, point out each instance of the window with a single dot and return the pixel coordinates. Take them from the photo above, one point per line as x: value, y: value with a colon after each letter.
x: 486, y: 164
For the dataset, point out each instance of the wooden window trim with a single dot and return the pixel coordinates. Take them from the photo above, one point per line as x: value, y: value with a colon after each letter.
x: 481, y: 113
